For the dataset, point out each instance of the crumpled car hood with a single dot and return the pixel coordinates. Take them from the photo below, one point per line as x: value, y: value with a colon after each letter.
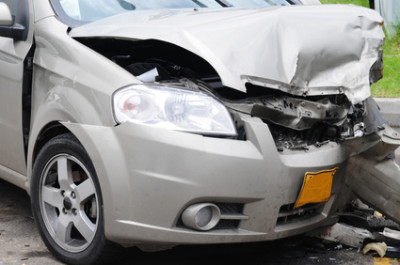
x: 302, y: 50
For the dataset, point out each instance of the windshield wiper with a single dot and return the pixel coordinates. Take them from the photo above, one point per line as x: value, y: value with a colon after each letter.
x: 224, y: 3
x: 126, y: 5
x: 199, y: 3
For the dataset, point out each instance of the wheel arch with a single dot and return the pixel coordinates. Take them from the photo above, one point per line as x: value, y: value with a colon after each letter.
x: 48, y: 132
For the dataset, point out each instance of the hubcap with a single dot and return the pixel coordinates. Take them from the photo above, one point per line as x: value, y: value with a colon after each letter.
x: 69, y: 203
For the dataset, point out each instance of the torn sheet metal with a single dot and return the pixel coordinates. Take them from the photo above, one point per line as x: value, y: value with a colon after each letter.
x: 345, y: 234
x: 302, y: 50
x: 391, y: 233
x: 372, y: 172
x: 355, y: 237
x: 377, y: 183
x: 292, y: 112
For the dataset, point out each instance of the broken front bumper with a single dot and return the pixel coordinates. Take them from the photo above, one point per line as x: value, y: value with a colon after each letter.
x: 149, y: 176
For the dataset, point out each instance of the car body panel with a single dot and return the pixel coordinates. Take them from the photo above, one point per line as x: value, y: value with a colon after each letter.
x: 235, y: 172
x: 12, y: 56
x: 377, y: 183
x: 63, y: 90
x: 42, y: 10
x: 374, y: 174
x: 292, y: 54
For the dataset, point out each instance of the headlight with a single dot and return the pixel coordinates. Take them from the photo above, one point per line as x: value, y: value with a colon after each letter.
x: 172, y: 108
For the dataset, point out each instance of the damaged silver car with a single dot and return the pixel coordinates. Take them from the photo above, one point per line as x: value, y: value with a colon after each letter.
x: 158, y: 123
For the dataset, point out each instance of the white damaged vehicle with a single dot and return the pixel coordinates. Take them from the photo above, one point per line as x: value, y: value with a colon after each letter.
x: 160, y: 123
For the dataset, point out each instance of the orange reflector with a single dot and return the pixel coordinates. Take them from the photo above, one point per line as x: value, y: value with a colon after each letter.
x: 317, y: 187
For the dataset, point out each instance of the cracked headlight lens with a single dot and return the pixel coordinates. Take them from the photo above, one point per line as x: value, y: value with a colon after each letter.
x: 172, y: 108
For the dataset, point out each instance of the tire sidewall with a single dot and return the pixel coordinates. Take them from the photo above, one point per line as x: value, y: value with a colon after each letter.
x: 66, y: 144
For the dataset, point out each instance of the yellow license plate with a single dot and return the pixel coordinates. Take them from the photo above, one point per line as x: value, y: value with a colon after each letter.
x: 317, y: 187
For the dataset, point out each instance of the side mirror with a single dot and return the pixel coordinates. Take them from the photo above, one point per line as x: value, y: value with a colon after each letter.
x: 10, y: 28
x: 5, y: 15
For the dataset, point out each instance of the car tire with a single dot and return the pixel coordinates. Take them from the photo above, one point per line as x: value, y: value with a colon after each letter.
x: 67, y: 203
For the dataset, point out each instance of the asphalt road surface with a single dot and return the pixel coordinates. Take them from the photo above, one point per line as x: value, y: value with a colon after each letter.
x: 20, y: 243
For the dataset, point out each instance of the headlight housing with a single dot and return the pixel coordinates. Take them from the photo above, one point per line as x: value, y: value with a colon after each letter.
x: 172, y: 108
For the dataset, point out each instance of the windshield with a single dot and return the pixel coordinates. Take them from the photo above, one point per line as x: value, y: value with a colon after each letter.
x: 77, y: 12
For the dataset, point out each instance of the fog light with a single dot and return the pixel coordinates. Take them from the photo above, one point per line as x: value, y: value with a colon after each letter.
x: 202, y: 216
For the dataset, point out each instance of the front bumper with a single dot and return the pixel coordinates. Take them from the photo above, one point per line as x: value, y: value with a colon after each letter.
x: 148, y: 177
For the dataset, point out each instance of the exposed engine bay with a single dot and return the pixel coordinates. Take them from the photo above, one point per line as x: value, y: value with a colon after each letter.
x: 296, y: 122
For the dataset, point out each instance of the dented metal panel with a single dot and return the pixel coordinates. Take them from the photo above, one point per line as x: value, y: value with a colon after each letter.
x: 378, y: 183
x: 374, y: 175
x: 302, y: 50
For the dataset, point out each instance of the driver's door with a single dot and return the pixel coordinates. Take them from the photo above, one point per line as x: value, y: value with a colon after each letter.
x: 15, y: 43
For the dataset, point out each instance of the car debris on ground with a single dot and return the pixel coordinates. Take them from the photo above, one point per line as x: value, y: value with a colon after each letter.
x: 365, y: 229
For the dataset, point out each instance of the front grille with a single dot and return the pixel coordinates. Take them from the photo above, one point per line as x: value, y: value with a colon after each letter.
x: 287, y: 214
x: 230, y: 208
x: 231, y: 214
x: 227, y: 224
